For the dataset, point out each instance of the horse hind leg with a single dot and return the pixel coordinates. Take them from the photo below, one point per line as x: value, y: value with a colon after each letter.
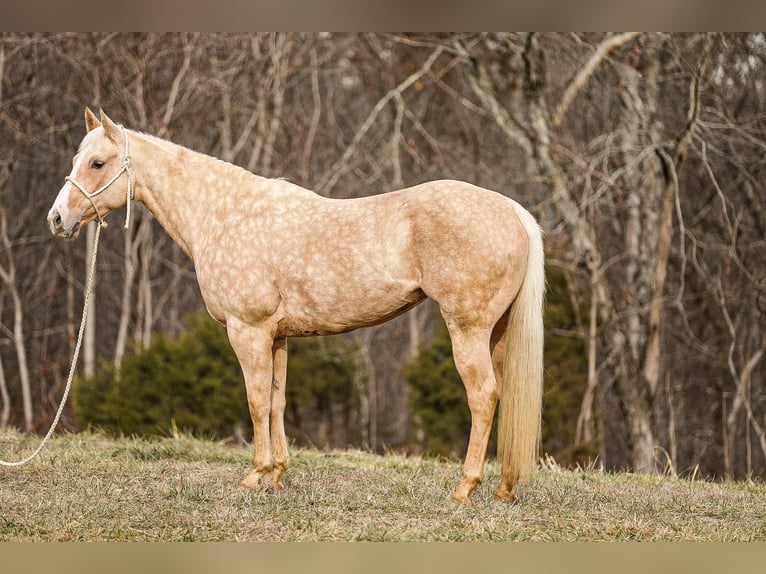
x: 471, y: 351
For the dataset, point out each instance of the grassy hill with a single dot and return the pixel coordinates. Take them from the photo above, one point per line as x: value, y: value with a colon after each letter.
x: 93, y: 488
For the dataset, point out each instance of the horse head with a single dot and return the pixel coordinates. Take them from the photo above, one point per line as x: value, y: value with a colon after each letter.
x: 94, y: 186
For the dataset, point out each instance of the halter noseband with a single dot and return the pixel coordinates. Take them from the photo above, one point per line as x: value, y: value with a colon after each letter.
x: 125, y: 167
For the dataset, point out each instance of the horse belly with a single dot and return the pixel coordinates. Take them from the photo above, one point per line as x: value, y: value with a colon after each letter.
x: 344, y: 307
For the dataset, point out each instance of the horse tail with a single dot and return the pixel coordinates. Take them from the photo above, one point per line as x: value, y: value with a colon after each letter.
x: 521, y: 393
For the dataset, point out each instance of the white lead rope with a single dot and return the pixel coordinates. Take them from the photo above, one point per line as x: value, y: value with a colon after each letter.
x: 125, y: 167
x: 88, y: 289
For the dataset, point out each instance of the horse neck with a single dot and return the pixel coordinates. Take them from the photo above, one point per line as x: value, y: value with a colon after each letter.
x: 182, y: 188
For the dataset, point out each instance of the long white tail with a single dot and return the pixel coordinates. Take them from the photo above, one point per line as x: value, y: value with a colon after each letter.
x: 522, y: 386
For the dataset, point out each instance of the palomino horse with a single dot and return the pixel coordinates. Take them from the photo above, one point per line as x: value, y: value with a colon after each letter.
x: 274, y: 260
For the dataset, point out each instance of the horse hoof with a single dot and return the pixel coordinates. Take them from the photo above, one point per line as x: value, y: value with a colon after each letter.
x: 506, y: 494
x: 461, y: 498
x: 277, y: 484
x: 253, y: 480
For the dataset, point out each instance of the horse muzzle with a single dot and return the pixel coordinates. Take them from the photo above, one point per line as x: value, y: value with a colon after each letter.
x: 58, y: 227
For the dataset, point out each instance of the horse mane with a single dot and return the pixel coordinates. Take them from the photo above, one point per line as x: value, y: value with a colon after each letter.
x: 173, y: 147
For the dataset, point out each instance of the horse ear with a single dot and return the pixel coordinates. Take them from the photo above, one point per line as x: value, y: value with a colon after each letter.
x: 91, y: 121
x: 110, y: 128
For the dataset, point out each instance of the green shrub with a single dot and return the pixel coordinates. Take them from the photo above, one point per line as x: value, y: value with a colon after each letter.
x: 321, y: 399
x: 194, y: 383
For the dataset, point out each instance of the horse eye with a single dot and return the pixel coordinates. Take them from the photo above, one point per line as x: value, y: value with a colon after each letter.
x: 97, y: 164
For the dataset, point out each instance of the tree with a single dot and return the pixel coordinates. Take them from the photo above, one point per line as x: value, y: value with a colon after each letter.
x: 644, y: 163
x: 8, y: 274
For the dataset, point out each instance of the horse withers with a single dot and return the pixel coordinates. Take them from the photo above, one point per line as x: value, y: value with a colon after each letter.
x: 275, y: 260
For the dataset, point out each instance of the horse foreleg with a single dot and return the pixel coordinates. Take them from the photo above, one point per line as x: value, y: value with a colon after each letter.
x: 253, y: 347
x: 278, y: 438
x: 474, y: 364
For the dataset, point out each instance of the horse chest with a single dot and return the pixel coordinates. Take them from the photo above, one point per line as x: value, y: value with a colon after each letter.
x: 233, y: 288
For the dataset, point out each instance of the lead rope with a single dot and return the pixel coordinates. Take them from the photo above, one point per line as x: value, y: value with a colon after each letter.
x: 88, y: 289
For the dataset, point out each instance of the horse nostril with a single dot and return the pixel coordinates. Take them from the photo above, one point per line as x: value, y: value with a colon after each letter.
x: 54, y: 221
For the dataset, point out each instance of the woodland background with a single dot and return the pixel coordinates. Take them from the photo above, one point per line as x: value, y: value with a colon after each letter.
x: 642, y: 155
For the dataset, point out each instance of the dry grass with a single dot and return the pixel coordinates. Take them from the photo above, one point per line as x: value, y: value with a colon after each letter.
x: 94, y: 488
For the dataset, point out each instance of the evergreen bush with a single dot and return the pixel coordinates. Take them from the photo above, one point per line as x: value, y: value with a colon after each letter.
x: 194, y: 383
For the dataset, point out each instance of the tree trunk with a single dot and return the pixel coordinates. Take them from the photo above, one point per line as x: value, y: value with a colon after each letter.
x: 145, y: 304
x: 89, y: 337
x: 5, y: 414
x: 362, y: 376
x: 585, y: 430
x: 21, y: 353
x: 638, y: 414
x: 129, y: 275
x: 8, y: 275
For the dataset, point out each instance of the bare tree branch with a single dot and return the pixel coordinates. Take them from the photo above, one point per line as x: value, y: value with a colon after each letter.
x: 330, y: 179
x: 315, y: 116
x: 175, y: 87
x: 585, y: 73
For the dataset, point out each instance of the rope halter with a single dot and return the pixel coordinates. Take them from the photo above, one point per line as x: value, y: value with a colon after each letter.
x: 126, y: 167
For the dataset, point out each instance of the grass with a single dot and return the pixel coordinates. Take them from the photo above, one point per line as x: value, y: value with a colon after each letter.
x: 89, y: 487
